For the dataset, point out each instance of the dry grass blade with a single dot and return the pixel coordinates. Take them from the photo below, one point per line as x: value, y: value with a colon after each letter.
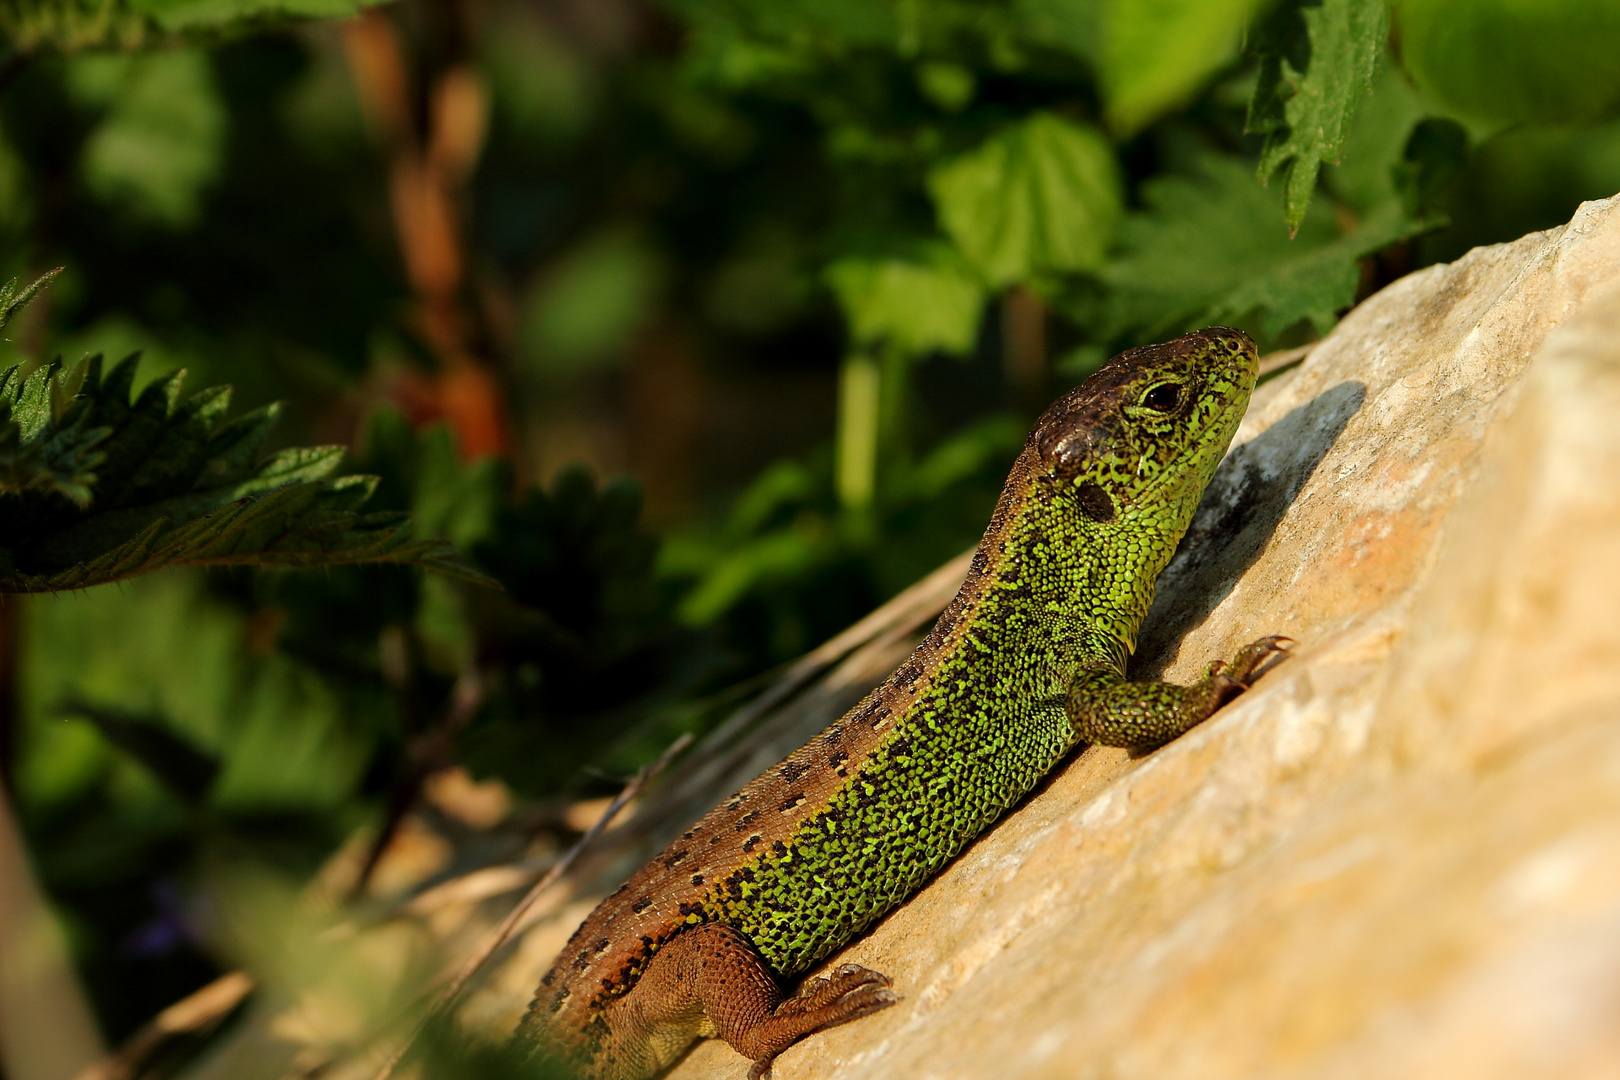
x: 196, y: 1012
x: 503, y: 931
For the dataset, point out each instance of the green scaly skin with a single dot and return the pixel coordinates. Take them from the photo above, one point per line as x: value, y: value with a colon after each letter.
x: 1025, y: 663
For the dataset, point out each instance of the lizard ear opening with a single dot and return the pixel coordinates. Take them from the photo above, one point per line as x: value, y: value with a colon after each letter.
x: 1094, y: 503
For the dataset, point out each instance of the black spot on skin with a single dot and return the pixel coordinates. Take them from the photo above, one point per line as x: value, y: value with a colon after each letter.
x: 697, y: 879
x: 602, y: 946
x: 641, y: 905
x: 792, y: 800
x: 779, y: 848
x: 871, y: 709
x: 687, y: 835
x: 834, y: 735
x: 674, y: 857
x: 979, y: 562
x: 582, y: 961
x: 792, y: 770
x: 751, y: 843
x: 1095, y: 503
x: 837, y: 759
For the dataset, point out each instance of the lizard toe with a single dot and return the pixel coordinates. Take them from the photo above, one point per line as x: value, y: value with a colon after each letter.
x: 1254, y: 659
x: 864, y: 1001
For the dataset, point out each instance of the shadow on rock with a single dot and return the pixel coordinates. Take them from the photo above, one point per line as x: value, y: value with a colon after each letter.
x: 1251, y: 492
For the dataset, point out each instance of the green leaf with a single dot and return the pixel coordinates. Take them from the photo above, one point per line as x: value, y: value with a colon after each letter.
x: 71, y: 26
x: 1374, y: 169
x: 584, y: 312
x: 1505, y: 61
x: 174, y: 483
x: 13, y: 300
x: 918, y: 305
x: 39, y: 452
x: 163, y: 136
x: 1209, y: 248
x: 36, y: 452
x: 195, y: 14
x: 779, y: 555
x: 1040, y: 195
x: 1316, y: 64
x: 186, y: 770
x: 1158, y: 53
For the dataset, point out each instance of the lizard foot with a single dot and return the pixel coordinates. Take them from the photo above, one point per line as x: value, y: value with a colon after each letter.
x: 827, y: 990
x: 848, y: 993
x: 1252, y: 660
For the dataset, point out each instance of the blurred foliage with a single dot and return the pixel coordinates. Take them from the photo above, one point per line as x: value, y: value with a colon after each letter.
x: 807, y: 269
x: 100, y: 488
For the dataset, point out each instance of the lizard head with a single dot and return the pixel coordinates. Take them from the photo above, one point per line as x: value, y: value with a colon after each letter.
x: 1143, y: 435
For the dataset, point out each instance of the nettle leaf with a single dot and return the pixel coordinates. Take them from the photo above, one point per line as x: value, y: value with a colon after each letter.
x: 1316, y: 64
x: 174, y: 483
x: 1209, y: 249
x: 42, y: 447
x: 932, y: 302
x: 38, y: 452
x: 13, y: 299
x: 1038, y: 196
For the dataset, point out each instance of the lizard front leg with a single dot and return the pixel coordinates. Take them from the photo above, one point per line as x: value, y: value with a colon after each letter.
x: 710, y: 980
x: 1105, y: 708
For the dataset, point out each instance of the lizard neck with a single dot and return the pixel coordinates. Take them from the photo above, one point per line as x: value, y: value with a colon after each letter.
x: 1051, y: 584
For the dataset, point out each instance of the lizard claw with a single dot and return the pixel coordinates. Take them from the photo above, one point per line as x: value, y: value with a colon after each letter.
x: 1253, y: 660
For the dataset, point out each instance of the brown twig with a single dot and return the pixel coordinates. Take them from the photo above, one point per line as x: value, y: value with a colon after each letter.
x: 10, y: 635
x: 431, y: 156
x: 1283, y: 359
x: 429, y: 754
x: 498, y: 936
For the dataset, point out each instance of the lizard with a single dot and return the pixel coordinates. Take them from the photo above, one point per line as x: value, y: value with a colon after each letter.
x: 1025, y: 663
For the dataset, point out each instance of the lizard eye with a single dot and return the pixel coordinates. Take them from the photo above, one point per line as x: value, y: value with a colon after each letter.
x: 1163, y: 398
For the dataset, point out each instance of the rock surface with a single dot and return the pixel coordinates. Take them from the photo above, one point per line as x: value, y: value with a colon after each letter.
x: 1400, y: 854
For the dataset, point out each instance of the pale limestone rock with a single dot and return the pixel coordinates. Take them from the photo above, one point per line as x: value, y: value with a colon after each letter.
x: 1399, y: 856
